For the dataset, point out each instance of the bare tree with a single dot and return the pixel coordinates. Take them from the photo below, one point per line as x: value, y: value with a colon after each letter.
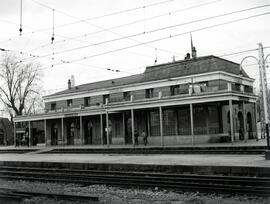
x: 19, y: 85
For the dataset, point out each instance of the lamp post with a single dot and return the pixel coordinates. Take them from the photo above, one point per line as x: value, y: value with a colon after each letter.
x: 261, y: 61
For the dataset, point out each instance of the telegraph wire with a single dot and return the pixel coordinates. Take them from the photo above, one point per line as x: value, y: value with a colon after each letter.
x: 164, y: 28
x: 115, y: 13
x: 118, y: 70
x: 67, y: 38
x: 31, y: 55
x: 236, y: 53
x: 99, y: 27
x: 62, y: 62
x: 130, y: 23
x: 106, y: 15
x: 171, y: 36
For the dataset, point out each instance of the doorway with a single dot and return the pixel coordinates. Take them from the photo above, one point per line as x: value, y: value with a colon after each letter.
x: 54, y: 134
x: 70, y: 133
x: 249, y: 126
x: 241, y: 125
x: 88, y: 133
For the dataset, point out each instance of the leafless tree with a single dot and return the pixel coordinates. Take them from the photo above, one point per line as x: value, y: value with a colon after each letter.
x: 20, y: 85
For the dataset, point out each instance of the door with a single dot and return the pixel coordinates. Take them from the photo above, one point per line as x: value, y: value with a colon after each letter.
x: 241, y: 125
x: 88, y: 133
x: 70, y: 133
x: 54, y: 134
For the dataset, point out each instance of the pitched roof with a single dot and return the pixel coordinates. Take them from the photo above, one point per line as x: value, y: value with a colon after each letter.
x: 163, y: 71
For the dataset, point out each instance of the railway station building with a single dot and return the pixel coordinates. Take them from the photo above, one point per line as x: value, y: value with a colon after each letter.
x: 192, y: 101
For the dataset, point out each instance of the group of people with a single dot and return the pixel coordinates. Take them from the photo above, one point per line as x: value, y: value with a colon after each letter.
x: 144, y: 136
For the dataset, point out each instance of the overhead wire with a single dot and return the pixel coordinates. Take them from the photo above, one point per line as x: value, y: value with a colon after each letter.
x: 122, y: 71
x: 171, y: 36
x: 31, y: 55
x: 109, y: 14
x: 131, y: 23
x: 96, y: 26
x: 66, y: 38
x: 102, y: 16
x: 115, y: 13
x: 230, y: 54
x: 227, y: 22
x: 158, y: 29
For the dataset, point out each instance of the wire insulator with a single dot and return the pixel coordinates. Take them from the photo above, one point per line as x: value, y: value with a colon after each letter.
x: 20, y: 30
x: 52, y: 38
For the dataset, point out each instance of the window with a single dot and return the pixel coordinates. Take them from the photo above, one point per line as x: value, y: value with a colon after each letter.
x: 183, y: 89
x: 53, y: 106
x: 126, y: 96
x: 174, y: 90
x: 236, y: 87
x: 154, y: 123
x: 87, y: 101
x: 149, y: 93
x: 69, y: 102
x: 169, y: 122
x: 248, y: 89
x: 106, y: 97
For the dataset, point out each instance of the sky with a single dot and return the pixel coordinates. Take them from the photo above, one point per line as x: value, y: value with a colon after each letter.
x: 103, y: 39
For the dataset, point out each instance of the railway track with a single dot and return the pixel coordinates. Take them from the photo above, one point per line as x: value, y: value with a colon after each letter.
x: 7, y: 194
x: 259, y: 186
x: 165, y: 150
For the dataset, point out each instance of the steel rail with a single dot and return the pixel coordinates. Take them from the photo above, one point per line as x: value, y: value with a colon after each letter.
x: 225, y: 184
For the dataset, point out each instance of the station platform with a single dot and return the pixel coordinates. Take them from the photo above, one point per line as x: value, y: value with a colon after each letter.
x: 253, y: 142
x: 197, y: 163
x: 225, y: 164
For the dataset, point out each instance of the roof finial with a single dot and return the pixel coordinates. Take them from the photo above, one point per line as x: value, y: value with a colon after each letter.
x: 193, y: 49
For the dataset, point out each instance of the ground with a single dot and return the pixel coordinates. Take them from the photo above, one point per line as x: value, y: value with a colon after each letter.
x: 116, y: 195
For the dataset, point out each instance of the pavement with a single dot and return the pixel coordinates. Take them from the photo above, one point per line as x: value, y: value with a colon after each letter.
x: 157, y: 159
x: 253, y: 142
x: 194, y: 159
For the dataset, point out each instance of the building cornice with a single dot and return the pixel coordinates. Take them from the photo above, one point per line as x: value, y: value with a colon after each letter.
x: 153, y: 84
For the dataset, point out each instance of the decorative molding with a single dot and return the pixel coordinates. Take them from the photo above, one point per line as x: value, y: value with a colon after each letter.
x: 196, y: 78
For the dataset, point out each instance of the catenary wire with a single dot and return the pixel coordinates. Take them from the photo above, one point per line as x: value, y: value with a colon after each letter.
x: 155, y: 30
x: 130, y: 23
x: 171, y: 36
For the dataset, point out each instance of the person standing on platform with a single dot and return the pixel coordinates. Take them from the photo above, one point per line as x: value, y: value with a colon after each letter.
x: 136, y: 135
x: 144, y: 135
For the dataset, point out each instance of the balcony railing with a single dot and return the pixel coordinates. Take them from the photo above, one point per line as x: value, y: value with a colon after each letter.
x: 192, y: 90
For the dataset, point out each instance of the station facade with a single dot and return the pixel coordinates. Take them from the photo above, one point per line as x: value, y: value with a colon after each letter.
x: 193, y: 101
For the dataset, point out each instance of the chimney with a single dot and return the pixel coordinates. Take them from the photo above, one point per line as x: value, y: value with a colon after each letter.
x: 69, y: 84
x: 72, y: 80
x: 194, y: 53
x: 187, y: 57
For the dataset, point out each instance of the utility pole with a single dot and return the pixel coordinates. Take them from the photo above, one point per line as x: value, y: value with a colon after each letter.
x: 263, y: 86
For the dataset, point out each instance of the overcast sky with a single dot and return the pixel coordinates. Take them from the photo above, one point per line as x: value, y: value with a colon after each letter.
x: 90, y: 44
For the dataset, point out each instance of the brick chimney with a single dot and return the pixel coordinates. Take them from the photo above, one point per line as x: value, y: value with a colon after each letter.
x: 69, y: 84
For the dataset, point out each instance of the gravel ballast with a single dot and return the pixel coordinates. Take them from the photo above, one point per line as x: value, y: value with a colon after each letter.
x: 117, y: 195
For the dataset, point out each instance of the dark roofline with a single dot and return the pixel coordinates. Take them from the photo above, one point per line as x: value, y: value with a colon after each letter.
x: 190, y: 60
x: 147, y: 69
x: 109, y: 80
x: 86, y: 84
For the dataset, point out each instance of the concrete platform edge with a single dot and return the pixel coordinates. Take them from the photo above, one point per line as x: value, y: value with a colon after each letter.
x: 249, y: 171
